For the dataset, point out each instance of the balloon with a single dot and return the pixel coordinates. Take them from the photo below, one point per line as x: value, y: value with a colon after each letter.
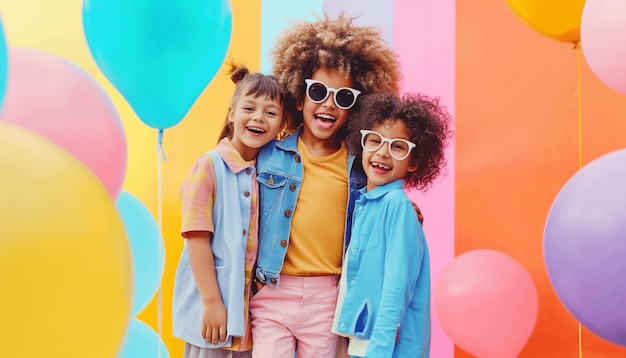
x: 142, y: 341
x: 160, y: 55
x: 487, y: 303
x: 604, y: 21
x: 557, y: 19
x: 3, y: 64
x: 51, y: 26
x: 146, y: 246
x: 57, y: 100
x: 65, y: 269
x: 585, y: 246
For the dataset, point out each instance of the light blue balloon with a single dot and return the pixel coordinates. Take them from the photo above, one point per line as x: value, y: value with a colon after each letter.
x: 159, y: 54
x: 146, y: 247
x: 141, y: 341
x: 3, y: 64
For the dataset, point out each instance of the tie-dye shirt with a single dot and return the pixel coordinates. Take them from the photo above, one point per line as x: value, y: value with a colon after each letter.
x: 198, y: 196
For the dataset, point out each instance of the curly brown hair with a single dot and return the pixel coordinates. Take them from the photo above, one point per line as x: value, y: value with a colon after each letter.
x: 356, y: 51
x: 428, y: 124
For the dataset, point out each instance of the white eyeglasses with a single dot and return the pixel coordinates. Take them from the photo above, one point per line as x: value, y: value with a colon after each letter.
x: 398, y: 148
x: 317, y: 92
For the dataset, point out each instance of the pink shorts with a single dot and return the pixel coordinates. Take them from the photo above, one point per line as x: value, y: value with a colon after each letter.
x: 300, y: 311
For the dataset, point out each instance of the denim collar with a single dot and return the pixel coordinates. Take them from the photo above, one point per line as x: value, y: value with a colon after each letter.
x: 290, y: 143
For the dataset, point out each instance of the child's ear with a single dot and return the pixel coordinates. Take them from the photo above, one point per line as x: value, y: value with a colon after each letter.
x: 300, y: 105
x: 412, y: 167
x: 230, y: 115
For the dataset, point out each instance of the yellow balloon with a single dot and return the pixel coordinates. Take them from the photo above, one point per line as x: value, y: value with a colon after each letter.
x: 52, y: 26
x: 557, y: 19
x: 65, y: 264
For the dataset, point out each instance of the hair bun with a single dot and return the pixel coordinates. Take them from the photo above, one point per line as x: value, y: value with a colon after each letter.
x: 238, y: 73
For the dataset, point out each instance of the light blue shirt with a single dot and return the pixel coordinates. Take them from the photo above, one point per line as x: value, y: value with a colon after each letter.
x: 387, y: 276
x: 231, y: 218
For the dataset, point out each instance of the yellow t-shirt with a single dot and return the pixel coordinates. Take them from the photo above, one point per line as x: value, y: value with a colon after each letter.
x: 318, y: 223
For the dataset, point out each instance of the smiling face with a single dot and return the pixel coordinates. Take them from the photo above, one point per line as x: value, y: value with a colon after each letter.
x: 380, y: 167
x: 256, y: 121
x: 323, y: 120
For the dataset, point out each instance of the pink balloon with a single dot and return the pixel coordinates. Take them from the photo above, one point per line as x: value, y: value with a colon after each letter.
x: 602, y: 30
x: 487, y: 303
x: 59, y: 101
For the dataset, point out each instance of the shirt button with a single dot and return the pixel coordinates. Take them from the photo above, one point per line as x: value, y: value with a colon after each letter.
x: 287, y: 213
x: 244, y: 231
x: 270, y: 181
x: 342, y: 324
x: 292, y: 187
x: 248, y: 170
x: 273, y: 280
x: 246, y: 194
x: 354, y: 251
x: 283, y: 243
x: 360, y: 208
x: 297, y: 159
x: 353, y: 282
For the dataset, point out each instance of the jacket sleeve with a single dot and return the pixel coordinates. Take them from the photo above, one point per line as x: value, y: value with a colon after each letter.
x: 403, y: 256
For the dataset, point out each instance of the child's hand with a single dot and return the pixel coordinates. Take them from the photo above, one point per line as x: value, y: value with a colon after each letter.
x: 420, y: 217
x: 214, y: 317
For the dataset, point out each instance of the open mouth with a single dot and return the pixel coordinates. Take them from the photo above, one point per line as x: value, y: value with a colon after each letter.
x: 256, y: 130
x: 325, y: 118
x: 380, y: 166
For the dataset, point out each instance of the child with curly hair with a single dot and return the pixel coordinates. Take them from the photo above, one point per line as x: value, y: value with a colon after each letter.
x: 384, y: 295
x: 324, y: 67
x: 219, y: 223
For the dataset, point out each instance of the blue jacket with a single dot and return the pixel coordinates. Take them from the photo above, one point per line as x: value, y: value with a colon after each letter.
x: 280, y: 173
x: 388, y: 276
x: 230, y: 218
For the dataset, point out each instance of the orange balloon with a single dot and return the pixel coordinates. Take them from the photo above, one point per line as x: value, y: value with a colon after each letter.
x: 65, y: 265
x: 557, y: 19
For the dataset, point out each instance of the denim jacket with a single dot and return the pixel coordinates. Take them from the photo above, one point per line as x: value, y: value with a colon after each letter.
x: 280, y: 173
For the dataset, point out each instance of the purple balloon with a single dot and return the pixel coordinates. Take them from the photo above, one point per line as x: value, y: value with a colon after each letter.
x: 585, y: 246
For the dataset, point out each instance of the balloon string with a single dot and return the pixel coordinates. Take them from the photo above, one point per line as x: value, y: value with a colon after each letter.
x: 160, y: 145
x: 580, y: 165
x: 580, y: 113
x: 160, y: 156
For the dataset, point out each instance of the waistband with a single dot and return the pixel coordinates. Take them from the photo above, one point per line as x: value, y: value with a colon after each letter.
x: 327, y: 281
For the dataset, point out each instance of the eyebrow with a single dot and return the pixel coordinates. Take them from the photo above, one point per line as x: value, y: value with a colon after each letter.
x: 255, y: 101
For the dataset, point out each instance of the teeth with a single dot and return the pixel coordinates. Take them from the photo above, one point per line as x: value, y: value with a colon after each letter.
x: 381, y: 166
x: 256, y: 130
x: 326, y: 117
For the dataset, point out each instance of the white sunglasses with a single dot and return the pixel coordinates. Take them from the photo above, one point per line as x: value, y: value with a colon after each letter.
x: 399, y: 148
x: 318, y: 92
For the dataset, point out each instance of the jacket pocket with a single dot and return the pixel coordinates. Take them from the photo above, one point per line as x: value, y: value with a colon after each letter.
x: 272, y: 192
x: 271, y: 181
x: 374, y: 238
x: 364, y: 321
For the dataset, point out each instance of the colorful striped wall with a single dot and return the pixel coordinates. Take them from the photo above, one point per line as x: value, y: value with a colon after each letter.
x: 513, y: 96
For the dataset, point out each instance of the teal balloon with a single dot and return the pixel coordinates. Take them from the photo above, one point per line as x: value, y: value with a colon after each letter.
x: 141, y: 341
x: 159, y: 54
x: 146, y: 248
x: 3, y: 64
